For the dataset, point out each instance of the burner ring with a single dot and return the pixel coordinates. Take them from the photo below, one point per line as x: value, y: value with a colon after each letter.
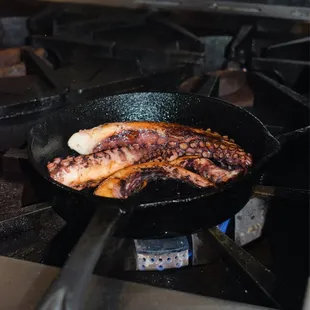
x: 162, y: 254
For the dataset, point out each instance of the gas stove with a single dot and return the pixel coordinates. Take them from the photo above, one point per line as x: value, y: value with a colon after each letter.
x: 75, y: 53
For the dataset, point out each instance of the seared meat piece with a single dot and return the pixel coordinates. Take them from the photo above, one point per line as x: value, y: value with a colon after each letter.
x: 207, y: 169
x: 89, y: 170
x: 132, y: 179
x: 129, y: 143
x: 176, y: 139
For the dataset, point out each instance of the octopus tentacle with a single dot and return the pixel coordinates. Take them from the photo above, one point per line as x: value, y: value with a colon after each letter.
x: 133, y: 143
x: 207, y: 169
x: 182, y: 140
x: 132, y: 179
x: 89, y: 170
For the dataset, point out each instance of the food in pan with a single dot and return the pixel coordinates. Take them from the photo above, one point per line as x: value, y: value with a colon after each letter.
x: 89, y: 170
x: 206, y: 168
x: 112, y: 149
x: 133, y: 179
x: 174, y: 140
x: 130, y: 180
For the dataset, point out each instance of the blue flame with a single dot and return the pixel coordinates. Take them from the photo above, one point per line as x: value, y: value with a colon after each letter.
x: 223, y: 227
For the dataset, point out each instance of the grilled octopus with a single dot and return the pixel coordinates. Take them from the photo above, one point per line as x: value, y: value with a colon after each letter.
x: 89, y: 170
x: 207, y: 169
x: 133, y: 179
x: 175, y: 140
x: 117, y: 146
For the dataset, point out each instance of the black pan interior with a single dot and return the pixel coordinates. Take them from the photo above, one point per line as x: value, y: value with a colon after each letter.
x: 48, y: 138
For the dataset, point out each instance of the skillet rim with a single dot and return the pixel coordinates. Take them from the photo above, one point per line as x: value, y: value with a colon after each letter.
x: 271, y: 142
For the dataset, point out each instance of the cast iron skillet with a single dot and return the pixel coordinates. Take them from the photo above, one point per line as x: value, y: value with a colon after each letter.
x: 175, y: 209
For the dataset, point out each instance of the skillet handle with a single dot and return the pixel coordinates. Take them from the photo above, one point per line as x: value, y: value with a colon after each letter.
x: 274, y: 144
x: 271, y: 149
x: 287, y: 137
x: 68, y: 291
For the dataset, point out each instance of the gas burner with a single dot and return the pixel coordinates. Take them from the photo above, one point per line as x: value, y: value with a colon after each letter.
x: 163, y: 254
x: 177, y: 252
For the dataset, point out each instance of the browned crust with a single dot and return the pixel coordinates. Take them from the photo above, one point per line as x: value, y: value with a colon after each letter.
x: 132, y: 179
